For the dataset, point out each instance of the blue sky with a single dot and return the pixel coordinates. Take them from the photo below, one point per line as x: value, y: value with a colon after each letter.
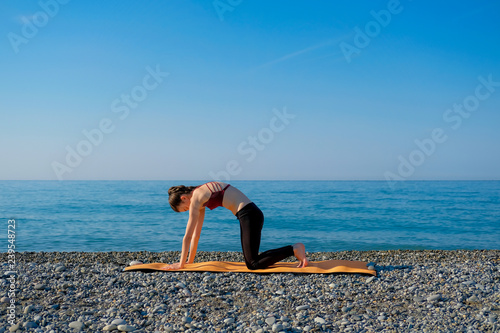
x: 235, y: 90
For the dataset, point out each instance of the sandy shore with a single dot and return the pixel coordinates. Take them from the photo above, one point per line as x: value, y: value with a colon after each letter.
x: 418, y: 291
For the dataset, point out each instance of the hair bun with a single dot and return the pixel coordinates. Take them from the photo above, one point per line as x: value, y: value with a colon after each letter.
x: 175, y: 189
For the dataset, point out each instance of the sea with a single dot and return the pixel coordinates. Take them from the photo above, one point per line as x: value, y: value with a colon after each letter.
x: 327, y: 216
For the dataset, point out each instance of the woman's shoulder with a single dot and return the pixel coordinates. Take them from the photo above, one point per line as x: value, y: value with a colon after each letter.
x: 213, y: 186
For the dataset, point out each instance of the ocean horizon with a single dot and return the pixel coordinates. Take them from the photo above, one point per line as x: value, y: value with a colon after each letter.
x: 96, y: 215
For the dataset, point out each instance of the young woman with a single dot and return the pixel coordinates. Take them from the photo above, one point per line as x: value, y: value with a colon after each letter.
x: 217, y: 194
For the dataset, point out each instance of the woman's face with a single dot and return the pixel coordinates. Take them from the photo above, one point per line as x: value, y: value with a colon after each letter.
x: 185, y: 202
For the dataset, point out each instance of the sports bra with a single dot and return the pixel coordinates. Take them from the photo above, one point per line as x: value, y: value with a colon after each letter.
x: 217, y: 195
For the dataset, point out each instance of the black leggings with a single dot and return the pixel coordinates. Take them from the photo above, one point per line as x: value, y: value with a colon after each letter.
x: 251, y: 222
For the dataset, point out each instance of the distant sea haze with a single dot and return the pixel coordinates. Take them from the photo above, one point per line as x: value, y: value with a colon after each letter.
x: 324, y: 215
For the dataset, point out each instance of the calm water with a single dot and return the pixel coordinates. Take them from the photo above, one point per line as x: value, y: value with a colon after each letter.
x: 325, y: 216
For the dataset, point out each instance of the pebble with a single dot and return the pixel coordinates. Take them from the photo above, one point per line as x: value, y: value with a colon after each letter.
x: 370, y: 279
x: 302, y: 307
x: 78, y: 325
x: 118, y: 321
x: 473, y: 299
x: 30, y: 324
x: 15, y: 327
x: 417, y: 291
x: 277, y: 328
x: 125, y: 328
x: 39, y: 286
x: 60, y: 269
x: 434, y: 298
x: 28, y: 309
x: 270, y: 321
x: 111, y: 327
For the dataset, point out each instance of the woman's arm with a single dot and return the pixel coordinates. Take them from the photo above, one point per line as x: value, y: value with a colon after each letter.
x: 193, y: 228
x: 196, y: 236
x: 194, y: 214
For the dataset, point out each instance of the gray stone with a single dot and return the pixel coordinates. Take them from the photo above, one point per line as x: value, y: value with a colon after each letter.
x: 39, y: 286
x: 60, y: 269
x: 28, y: 309
x: 77, y: 325
x: 319, y: 320
x: 111, y: 327
x: 277, y: 328
x: 30, y: 324
x: 434, y: 298
x: 15, y: 327
x: 112, y: 281
x: 125, y: 328
x: 302, y: 307
x: 473, y: 299
x: 270, y: 321
x: 118, y: 321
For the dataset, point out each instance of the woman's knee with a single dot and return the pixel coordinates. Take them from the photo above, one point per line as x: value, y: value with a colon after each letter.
x: 251, y: 265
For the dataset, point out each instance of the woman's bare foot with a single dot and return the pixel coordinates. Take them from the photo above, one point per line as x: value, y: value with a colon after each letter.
x: 299, y: 251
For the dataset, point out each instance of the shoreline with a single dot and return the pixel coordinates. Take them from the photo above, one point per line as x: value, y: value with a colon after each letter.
x: 415, y: 290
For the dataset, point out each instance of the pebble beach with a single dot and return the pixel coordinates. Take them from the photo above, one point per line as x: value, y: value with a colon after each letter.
x: 414, y: 291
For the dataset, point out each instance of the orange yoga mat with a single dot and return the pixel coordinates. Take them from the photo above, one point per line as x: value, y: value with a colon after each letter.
x: 314, y: 267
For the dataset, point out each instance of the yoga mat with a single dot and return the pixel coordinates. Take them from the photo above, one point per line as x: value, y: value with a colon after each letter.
x: 314, y: 267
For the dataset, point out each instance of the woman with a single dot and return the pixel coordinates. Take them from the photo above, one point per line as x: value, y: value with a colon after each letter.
x: 217, y: 194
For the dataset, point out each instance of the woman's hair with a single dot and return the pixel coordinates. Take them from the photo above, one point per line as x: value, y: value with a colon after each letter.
x: 174, y: 195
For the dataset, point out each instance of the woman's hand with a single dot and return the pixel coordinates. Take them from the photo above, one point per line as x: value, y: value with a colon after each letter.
x: 172, y: 267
